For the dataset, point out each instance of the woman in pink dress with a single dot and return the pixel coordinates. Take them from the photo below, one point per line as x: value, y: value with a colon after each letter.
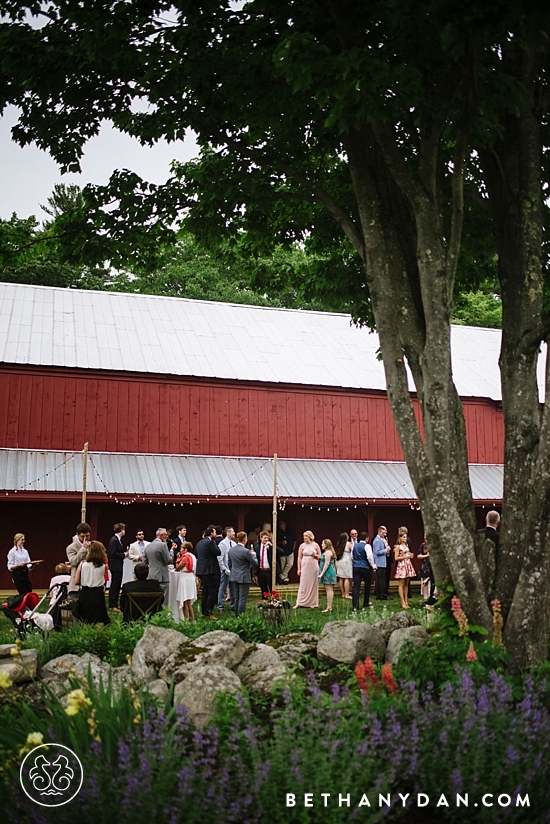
x: 404, y: 569
x: 309, y: 556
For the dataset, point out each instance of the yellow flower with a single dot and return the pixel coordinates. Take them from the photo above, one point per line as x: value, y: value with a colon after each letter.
x: 5, y: 682
x: 137, y: 719
x: 35, y: 738
x: 15, y: 651
x: 77, y: 701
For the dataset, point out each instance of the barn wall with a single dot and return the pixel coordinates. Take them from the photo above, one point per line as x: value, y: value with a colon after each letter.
x: 61, y: 409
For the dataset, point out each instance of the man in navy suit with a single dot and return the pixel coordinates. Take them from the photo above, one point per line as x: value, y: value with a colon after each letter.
x: 116, y: 556
x: 264, y: 554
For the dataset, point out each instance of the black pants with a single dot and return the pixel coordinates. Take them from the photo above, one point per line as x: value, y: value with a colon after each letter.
x: 20, y: 578
x: 361, y: 574
x: 210, y: 585
x: 388, y: 573
x: 380, y: 584
x: 114, y: 589
x: 264, y: 580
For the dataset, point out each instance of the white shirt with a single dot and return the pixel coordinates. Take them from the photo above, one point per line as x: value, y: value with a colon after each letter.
x: 17, y: 556
x: 264, y: 560
x: 225, y: 546
x: 91, y: 576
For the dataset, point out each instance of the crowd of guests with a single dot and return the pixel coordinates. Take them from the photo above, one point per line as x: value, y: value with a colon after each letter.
x: 223, y: 565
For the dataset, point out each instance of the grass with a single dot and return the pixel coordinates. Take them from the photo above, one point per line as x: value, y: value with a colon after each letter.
x: 116, y: 641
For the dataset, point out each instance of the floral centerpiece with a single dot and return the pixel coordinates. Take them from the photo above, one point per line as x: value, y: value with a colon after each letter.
x: 273, y: 606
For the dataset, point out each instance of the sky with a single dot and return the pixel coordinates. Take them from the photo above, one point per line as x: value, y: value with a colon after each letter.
x: 29, y: 174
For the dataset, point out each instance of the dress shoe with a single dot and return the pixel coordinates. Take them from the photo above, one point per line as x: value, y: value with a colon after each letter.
x: 114, y: 609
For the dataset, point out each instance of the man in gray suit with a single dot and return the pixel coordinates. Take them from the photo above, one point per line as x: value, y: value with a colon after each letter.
x: 239, y: 559
x: 157, y: 557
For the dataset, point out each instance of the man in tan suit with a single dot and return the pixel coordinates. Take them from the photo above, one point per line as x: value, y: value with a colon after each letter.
x: 76, y: 552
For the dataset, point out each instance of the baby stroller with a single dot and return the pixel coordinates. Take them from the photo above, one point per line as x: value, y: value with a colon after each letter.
x: 22, y: 610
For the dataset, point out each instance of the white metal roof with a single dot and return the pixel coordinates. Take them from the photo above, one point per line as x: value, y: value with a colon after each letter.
x: 190, y: 475
x: 142, y: 333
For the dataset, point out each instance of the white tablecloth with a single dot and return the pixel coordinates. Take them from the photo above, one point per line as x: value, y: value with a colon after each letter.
x: 127, y: 572
x: 174, y: 603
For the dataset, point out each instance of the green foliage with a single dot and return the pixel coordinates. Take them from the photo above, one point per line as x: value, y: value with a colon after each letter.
x: 478, y: 309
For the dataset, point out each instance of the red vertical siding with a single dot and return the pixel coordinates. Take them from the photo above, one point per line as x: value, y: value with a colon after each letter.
x: 41, y: 410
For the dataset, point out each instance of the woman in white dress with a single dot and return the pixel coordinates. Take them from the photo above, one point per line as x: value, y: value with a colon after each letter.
x: 186, y: 564
x: 344, y: 564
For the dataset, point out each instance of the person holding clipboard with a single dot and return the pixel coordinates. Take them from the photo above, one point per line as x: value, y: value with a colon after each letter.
x: 19, y: 563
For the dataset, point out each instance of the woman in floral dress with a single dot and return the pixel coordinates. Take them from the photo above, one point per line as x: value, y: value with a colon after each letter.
x: 344, y: 564
x: 404, y: 569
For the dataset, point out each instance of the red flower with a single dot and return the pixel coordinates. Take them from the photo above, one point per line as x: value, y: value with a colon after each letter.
x: 388, y: 679
x: 366, y: 677
x: 274, y: 594
x: 265, y: 594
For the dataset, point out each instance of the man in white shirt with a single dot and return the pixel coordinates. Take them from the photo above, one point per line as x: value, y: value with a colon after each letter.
x: 225, y: 546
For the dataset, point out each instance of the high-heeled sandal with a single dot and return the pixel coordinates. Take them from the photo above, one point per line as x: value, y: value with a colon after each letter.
x: 327, y: 610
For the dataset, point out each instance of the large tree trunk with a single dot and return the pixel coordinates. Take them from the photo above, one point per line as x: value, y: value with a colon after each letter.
x: 512, y: 170
x: 437, y: 462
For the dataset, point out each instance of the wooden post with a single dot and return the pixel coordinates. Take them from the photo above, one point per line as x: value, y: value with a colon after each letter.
x: 274, y: 527
x: 84, y: 479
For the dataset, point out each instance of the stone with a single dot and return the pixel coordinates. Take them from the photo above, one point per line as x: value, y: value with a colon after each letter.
x: 122, y: 677
x: 400, y: 620
x: 217, y: 648
x: 61, y: 667
x: 199, y: 693
x: 157, y: 688
x: 291, y: 647
x: 21, y: 667
x: 152, y: 651
x: 14, y: 671
x: 257, y: 658
x: 346, y: 642
x: 417, y: 635
x: 263, y: 681
x: 5, y: 650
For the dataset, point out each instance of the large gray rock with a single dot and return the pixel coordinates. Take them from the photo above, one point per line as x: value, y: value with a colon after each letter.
x: 399, y: 620
x: 152, y: 650
x: 346, y: 642
x: 218, y: 648
x: 199, y: 693
x: 257, y: 658
x: 58, y: 672
x: 158, y: 689
x: 21, y: 667
x: 417, y: 635
x: 6, y: 650
x: 290, y: 648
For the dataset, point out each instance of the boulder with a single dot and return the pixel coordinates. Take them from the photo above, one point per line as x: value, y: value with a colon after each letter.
x: 263, y: 681
x: 21, y: 667
x: 217, y: 648
x: 13, y: 670
x: 152, y: 650
x: 157, y: 688
x: 5, y: 650
x: 399, y: 620
x: 291, y: 647
x: 122, y: 677
x: 67, y: 665
x: 417, y: 635
x: 346, y: 642
x: 199, y: 693
x: 258, y: 657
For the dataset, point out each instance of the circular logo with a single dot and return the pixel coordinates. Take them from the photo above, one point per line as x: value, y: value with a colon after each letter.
x: 51, y: 775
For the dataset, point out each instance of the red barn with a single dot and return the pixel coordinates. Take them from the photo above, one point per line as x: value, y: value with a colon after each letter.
x: 183, y: 405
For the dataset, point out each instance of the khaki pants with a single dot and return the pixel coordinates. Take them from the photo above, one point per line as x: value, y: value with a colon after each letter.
x: 286, y: 562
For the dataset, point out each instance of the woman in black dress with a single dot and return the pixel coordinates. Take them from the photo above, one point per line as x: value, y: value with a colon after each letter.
x: 90, y: 575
